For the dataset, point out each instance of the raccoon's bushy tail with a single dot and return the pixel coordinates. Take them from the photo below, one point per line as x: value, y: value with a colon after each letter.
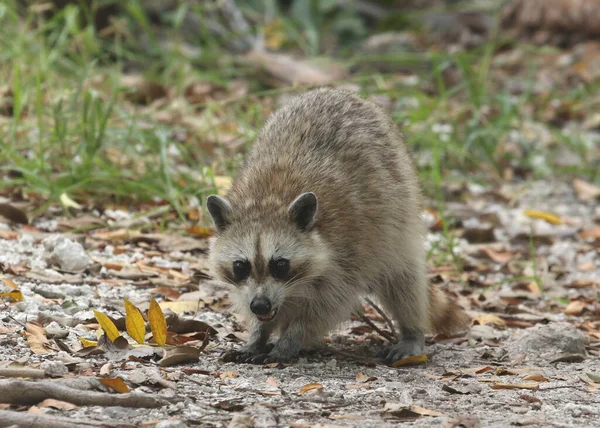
x: 445, y: 316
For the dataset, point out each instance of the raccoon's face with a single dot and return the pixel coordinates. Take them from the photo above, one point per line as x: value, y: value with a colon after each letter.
x: 270, y: 260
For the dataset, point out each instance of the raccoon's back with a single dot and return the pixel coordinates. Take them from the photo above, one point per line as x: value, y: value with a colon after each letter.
x: 344, y: 149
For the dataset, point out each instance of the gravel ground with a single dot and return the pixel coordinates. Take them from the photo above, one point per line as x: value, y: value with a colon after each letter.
x: 546, y: 366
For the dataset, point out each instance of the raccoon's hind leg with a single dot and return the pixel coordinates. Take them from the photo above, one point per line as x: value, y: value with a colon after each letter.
x: 404, y: 296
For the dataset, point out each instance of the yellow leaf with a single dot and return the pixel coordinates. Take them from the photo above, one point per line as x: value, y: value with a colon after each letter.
x: 274, y: 34
x: 536, y: 377
x: 15, y: 295
x: 414, y: 360
x: 87, y: 343
x: 9, y: 283
x: 550, y: 218
x: 68, y: 202
x: 107, y: 325
x: 158, y: 324
x: 134, y: 321
x: 116, y: 384
x: 180, y: 306
x: 485, y: 319
x: 310, y: 387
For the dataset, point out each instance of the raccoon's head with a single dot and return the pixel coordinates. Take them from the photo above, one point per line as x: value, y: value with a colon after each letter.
x: 270, y: 254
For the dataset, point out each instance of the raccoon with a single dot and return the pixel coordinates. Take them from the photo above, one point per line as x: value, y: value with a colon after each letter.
x: 326, y: 210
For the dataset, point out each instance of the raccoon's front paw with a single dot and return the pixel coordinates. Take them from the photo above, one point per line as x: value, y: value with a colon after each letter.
x: 403, y: 349
x: 245, y: 354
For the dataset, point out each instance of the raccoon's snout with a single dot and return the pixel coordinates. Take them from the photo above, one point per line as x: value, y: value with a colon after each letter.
x: 262, y: 308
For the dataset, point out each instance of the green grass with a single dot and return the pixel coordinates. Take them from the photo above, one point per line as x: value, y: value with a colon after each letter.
x: 73, y: 129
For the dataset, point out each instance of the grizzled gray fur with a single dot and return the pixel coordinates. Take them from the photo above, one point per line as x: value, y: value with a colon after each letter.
x: 325, y: 211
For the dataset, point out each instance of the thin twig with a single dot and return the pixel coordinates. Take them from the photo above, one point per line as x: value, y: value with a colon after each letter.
x: 385, y: 317
x: 388, y: 336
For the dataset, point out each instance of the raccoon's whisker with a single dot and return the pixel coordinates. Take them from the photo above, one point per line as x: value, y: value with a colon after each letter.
x: 287, y: 284
x: 302, y: 280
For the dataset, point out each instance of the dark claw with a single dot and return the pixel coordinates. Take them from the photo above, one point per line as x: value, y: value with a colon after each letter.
x: 258, y: 359
x: 230, y: 356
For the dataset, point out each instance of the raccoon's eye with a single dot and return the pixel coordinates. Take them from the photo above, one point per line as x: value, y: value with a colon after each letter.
x: 241, y: 269
x: 279, y: 268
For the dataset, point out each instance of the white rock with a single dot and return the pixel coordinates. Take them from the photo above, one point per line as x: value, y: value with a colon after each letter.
x: 69, y: 255
x: 54, y: 368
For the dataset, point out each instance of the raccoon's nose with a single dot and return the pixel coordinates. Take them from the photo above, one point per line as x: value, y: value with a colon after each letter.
x: 260, y: 305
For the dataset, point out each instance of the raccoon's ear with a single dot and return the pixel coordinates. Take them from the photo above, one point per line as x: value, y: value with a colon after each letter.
x: 303, y: 210
x: 220, y: 210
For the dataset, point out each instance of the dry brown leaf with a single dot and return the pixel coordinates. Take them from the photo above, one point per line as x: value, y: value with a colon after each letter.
x: 586, y: 191
x: 179, y: 355
x: 576, y: 307
x: 593, y: 233
x: 85, y: 221
x: 461, y: 423
x: 57, y: 404
x: 113, y: 266
x: 168, y: 292
x: 36, y: 339
x: 582, y: 283
x: 199, y: 231
x: 311, y: 387
x: 9, y: 235
x: 118, y: 235
x: 529, y: 385
x: 13, y: 214
x: 116, y: 384
x: 362, y: 378
x: 406, y: 412
x: 588, y: 266
x: 501, y: 257
x: 229, y: 375
x: 170, y: 243
x: 10, y: 283
x: 485, y: 319
x: 142, y: 91
x: 271, y: 381
x: 530, y: 398
x: 201, y: 92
